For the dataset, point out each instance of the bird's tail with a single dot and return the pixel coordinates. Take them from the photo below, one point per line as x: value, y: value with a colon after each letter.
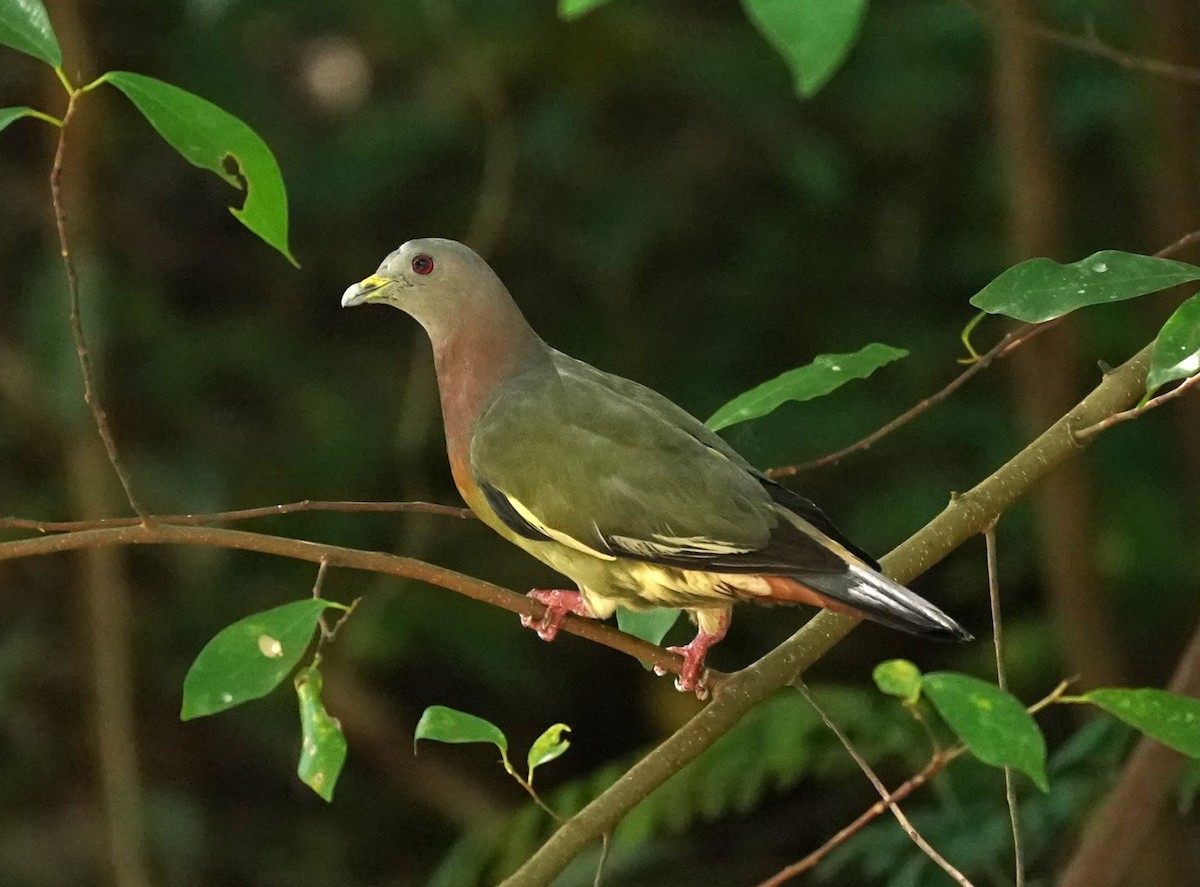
x: 864, y: 591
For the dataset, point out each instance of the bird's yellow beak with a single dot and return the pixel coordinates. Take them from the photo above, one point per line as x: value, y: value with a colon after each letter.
x: 364, y: 291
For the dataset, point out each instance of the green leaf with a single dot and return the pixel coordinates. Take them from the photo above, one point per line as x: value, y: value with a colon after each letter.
x: 323, y: 751
x: 248, y: 659
x: 993, y: 724
x: 207, y: 137
x: 547, y: 747
x: 443, y: 724
x: 899, y: 677
x: 824, y: 374
x: 1172, y: 719
x: 8, y: 115
x: 1042, y: 289
x: 649, y: 625
x: 1177, y: 349
x: 571, y: 9
x: 25, y: 27
x: 813, y: 36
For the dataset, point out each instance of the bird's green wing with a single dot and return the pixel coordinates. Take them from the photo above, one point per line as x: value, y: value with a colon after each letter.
x: 566, y: 456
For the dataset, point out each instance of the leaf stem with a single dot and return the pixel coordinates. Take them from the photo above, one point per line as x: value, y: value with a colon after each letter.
x: 90, y: 396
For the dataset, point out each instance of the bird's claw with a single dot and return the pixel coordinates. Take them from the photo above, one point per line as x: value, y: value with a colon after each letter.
x: 692, y: 673
x: 558, y: 604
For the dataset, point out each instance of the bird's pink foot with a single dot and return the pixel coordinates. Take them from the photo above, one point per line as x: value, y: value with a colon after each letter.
x: 558, y: 604
x: 692, y: 672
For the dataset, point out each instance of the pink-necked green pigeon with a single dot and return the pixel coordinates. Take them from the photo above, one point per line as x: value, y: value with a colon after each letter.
x: 612, y: 484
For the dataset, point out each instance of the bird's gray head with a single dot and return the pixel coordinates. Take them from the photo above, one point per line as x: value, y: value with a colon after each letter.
x: 433, y: 279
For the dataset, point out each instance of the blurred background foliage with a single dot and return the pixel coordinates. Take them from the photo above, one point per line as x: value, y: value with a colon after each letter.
x: 661, y: 204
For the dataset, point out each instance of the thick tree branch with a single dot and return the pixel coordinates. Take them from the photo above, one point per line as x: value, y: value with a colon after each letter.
x: 963, y: 518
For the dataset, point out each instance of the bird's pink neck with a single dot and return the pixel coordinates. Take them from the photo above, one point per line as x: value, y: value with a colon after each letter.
x: 471, y: 364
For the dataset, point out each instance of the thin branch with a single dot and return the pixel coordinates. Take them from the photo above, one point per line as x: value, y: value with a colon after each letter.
x: 1090, y: 44
x: 940, y: 758
x: 1126, y: 415
x: 1003, y: 348
x: 905, y: 823
x: 351, y: 558
x: 197, y: 520
x: 90, y: 395
x: 1010, y: 789
x: 962, y: 519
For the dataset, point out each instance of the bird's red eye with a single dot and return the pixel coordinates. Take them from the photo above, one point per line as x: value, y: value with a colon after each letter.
x: 422, y: 264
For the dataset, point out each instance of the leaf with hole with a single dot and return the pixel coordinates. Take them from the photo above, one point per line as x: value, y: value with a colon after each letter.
x: 1172, y: 719
x: 323, y: 748
x: 247, y: 660
x: 1176, y: 353
x: 209, y: 137
x: 443, y: 724
x: 25, y: 26
x: 826, y: 373
x: 547, y: 747
x: 993, y: 724
x: 898, y: 677
x: 1042, y: 289
x: 813, y: 36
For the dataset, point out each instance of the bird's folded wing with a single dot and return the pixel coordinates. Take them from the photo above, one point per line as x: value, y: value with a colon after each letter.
x: 563, y: 457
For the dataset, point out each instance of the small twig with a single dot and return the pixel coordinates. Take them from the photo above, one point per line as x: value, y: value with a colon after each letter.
x: 939, y: 760
x: 1179, y: 245
x: 605, y: 843
x: 1010, y: 788
x: 941, y: 757
x: 1126, y: 415
x: 905, y: 823
x: 90, y: 395
x: 537, y: 799
x: 196, y: 520
x: 1091, y: 44
x: 1003, y: 348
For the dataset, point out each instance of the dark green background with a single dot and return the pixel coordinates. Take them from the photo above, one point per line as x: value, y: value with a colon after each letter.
x: 665, y: 208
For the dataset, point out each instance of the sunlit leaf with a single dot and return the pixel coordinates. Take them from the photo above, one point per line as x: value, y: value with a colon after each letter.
x: 547, y: 747
x: 1172, y: 719
x: 1042, y: 289
x: 248, y: 659
x: 8, y: 115
x: 443, y: 724
x: 649, y: 625
x: 898, y: 677
x: 323, y: 749
x: 569, y: 9
x: 813, y: 36
x: 209, y: 137
x: 1176, y: 352
x: 826, y: 373
x: 993, y: 724
x: 25, y: 27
